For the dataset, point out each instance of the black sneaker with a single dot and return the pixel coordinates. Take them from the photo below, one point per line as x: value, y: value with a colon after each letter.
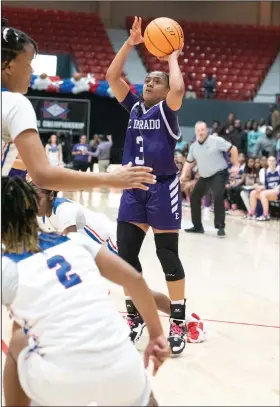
x: 194, y: 230
x: 221, y: 232
x: 136, y: 325
x: 177, y: 336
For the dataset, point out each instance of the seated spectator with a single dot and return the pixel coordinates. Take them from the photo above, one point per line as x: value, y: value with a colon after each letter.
x: 266, y: 145
x: 252, y: 138
x: 188, y: 185
x: 242, y: 162
x: 263, y: 161
x: 269, y: 192
x: 278, y: 147
x: 190, y: 93
x: 238, y: 137
x: 233, y: 189
x: 179, y: 160
x: 209, y: 85
x: 180, y: 145
x: 215, y: 128
x: 251, y: 181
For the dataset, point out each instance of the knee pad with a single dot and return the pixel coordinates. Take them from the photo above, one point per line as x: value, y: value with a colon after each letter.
x: 167, y: 252
x: 129, y: 240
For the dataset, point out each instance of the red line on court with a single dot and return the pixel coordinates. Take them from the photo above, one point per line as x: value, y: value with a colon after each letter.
x: 4, y: 347
x: 226, y: 322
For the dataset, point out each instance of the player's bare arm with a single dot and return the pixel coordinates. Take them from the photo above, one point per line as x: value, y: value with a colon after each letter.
x: 177, y: 88
x: 44, y: 175
x: 119, y: 87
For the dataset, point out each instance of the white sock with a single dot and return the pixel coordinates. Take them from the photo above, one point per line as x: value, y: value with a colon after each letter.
x: 128, y: 298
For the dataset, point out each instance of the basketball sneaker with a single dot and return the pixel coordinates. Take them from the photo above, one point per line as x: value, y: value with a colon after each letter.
x: 195, y: 329
x: 136, y: 325
x: 263, y: 218
x: 177, y: 336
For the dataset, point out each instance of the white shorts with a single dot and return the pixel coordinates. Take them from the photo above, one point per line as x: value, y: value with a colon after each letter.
x: 123, y: 383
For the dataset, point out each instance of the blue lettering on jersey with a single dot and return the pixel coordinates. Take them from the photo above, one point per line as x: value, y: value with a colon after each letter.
x: 272, y: 179
x: 57, y: 202
x: 151, y: 136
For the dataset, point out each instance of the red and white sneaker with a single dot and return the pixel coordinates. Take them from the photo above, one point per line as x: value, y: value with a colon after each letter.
x: 195, y: 329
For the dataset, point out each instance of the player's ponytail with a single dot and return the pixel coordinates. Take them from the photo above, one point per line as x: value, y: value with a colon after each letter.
x: 19, y: 209
x: 13, y: 42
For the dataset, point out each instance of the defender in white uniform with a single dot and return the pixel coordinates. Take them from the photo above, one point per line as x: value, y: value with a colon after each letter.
x: 78, y: 343
x: 63, y: 216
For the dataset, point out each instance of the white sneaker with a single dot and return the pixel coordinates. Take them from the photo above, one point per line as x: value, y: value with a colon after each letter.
x: 263, y: 218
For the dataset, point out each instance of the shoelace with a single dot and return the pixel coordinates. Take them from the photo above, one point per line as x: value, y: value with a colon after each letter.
x: 176, y: 329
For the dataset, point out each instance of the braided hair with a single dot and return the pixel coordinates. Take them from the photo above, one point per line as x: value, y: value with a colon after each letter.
x: 13, y: 42
x: 139, y: 110
x: 19, y: 209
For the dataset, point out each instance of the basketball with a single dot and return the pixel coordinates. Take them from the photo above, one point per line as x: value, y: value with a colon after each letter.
x: 163, y: 36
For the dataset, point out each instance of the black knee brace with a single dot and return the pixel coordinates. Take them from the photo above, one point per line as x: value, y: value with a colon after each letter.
x: 167, y: 252
x: 129, y: 239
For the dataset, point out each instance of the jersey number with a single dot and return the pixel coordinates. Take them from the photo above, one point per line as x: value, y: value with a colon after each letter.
x: 63, y: 271
x: 140, y: 160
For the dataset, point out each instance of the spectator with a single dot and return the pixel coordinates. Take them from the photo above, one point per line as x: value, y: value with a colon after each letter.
x: 238, y: 137
x: 263, y: 162
x: 248, y: 126
x: 274, y: 116
x: 242, y: 161
x: 230, y: 122
x: 266, y: 145
x: 190, y: 93
x: 215, y: 128
x: 103, y: 152
x: 269, y: 192
x: 179, y: 160
x: 253, y: 136
x: 233, y: 189
x: 209, y: 85
x: 251, y: 181
x: 54, y: 151
x: 262, y: 126
x: 278, y: 147
x: 93, y: 145
x: 228, y: 132
x: 80, y: 152
x: 180, y: 145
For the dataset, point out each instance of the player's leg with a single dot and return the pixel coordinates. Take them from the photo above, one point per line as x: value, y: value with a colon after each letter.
x: 265, y: 197
x: 198, y: 192
x: 13, y: 392
x: 152, y: 401
x: 166, y: 242
x: 254, y: 196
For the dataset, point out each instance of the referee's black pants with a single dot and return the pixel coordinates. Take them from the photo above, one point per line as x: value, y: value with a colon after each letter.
x: 216, y: 183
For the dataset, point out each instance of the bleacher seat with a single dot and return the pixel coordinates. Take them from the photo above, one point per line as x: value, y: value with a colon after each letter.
x: 56, y: 31
x: 239, y: 55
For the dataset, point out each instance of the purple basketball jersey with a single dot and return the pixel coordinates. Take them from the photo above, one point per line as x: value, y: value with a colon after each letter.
x: 272, y: 179
x: 151, y: 136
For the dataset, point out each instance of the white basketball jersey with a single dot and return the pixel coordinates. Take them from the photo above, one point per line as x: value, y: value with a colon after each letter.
x: 67, y: 213
x: 17, y: 116
x: 62, y: 300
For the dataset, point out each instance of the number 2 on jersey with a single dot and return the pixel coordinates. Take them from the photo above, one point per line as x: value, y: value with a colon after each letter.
x: 140, y: 142
x: 63, y: 271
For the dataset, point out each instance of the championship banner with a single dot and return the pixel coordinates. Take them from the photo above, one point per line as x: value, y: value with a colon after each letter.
x: 64, y: 115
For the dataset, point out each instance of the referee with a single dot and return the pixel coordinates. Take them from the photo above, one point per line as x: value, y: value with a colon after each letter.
x: 208, y: 154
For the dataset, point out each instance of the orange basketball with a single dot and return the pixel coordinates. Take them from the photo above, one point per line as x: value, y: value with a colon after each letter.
x: 163, y: 36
